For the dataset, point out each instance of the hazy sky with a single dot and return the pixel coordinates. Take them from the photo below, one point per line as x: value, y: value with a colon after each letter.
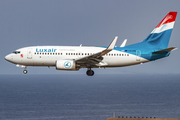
x: 88, y: 22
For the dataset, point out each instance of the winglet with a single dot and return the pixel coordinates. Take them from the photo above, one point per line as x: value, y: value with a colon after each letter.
x: 124, y: 43
x: 111, y: 46
x: 97, y: 57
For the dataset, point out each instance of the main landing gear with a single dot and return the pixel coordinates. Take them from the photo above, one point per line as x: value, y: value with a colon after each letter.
x: 90, y: 72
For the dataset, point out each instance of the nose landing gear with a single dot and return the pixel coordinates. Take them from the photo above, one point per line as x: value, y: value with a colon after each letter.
x: 22, y: 66
x: 90, y: 72
x: 25, y: 71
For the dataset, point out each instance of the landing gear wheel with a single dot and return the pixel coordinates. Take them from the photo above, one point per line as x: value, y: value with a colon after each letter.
x: 90, y: 72
x: 25, y: 71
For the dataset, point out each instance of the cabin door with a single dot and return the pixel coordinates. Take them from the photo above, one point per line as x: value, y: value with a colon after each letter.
x: 29, y: 53
x: 138, y: 55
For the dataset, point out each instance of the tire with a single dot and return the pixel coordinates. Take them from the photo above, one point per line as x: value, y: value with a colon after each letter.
x: 25, y: 71
x: 90, y: 72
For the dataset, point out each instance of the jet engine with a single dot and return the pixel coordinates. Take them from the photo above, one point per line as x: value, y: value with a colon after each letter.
x: 66, y: 65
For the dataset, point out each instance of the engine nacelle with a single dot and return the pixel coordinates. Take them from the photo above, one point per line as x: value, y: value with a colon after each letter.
x: 66, y: 65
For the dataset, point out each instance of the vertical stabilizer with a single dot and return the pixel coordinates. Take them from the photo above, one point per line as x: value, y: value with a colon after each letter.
x: 159, y: 37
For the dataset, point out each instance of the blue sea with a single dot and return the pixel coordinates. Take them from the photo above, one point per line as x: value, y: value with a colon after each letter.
x: 79, y: 97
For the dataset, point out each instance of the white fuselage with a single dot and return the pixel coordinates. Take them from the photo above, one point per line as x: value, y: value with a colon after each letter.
x: 48, y: 55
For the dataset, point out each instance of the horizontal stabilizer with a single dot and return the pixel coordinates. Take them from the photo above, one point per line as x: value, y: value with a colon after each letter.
x: 165, y: 50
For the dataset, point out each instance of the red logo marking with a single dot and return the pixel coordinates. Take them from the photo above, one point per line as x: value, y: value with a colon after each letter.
x: 21, y: 55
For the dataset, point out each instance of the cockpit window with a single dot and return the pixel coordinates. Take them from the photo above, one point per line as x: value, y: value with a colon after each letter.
x: 16, y: 52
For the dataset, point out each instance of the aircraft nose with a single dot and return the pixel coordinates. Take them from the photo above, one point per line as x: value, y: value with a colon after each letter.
x: 8, y: 57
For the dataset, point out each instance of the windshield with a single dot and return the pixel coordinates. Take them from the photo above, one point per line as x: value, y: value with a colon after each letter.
x: 16, y: 52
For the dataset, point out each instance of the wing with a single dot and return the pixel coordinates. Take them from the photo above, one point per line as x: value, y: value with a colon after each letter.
x: 95, y: 60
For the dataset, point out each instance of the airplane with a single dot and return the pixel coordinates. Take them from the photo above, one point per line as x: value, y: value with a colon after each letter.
x: 73, y: 58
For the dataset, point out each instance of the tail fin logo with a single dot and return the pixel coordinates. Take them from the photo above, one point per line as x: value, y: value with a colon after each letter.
x: 166, y: 19
x: 169, y: 18
x: 160, y: 36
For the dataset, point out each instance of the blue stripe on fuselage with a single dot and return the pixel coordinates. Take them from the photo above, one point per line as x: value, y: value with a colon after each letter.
x: 145, y: 53
x: 154, y: 42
